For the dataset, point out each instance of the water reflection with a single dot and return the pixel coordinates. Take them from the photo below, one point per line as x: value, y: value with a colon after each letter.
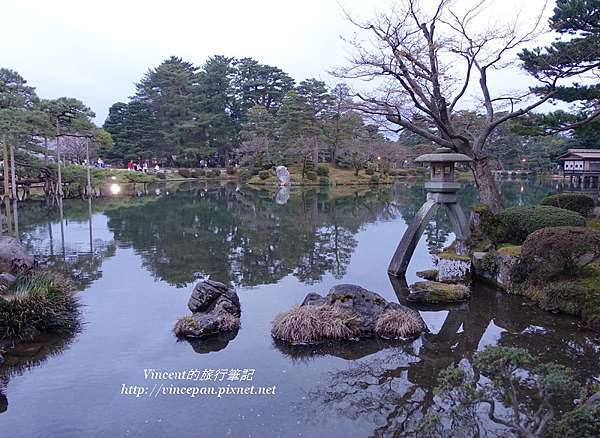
x: 395, y: 388
x: 24, y: 356
x: 130, y: 254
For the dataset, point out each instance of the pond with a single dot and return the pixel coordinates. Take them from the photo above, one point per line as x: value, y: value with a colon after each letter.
x: 136, y: 260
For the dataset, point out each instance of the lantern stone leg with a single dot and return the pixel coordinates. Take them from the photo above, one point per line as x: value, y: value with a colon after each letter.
x: 407, y: 245
x: 460, y: 225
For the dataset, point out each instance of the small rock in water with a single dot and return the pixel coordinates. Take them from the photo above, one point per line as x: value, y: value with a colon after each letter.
x: 6, y: 279
x: 215, y: 309
x: 434, y: 292
x: 14, y: 258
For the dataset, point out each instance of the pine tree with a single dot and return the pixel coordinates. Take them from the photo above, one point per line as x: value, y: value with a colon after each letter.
x: 575, y: 55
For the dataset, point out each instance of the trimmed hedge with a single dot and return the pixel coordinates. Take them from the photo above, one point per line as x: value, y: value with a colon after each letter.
x: 186, y: 173
x: 560, y: 251
x: 311, y: 176
x: 578, y: 202
x: 264, y: 174
x: 517, y: 223
x: 323, y: 181
x: 323, y: 170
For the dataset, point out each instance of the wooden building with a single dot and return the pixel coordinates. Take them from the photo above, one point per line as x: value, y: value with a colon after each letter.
x: 581, y: 167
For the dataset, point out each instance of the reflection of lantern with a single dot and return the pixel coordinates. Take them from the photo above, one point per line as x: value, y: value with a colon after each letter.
x: 442, y: 170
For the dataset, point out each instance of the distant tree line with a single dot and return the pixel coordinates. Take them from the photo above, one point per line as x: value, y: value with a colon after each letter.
x: 229, y: 107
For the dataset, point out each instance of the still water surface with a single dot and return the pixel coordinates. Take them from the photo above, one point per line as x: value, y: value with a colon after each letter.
x: 136, y: 269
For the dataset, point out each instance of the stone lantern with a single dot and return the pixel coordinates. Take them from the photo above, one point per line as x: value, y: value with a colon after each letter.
x: 441, y: 191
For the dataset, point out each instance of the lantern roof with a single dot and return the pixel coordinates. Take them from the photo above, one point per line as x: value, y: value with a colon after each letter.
x: 443, y: 155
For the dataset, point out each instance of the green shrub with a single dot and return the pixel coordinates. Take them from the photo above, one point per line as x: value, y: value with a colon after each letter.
x: 557, y: 251
x: 490, y: 225
x: 264, y: 174
x: 323, y: 170
x: 161, y: 175
x: 231, y: 170
x: 309, y: 166
x: 324, y: 181
x: 245, y: 174
x: 374, y: 179
x: 137, y: 177
x: 197, y: 173
x: 311, y: 175
x: 578, y: 202
x: 186, y: 173
x: 370, y: 171
x: 520, y: 222
x: 582, y: 422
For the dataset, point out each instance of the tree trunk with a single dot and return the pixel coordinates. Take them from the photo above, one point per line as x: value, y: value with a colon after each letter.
x: 488, y: 190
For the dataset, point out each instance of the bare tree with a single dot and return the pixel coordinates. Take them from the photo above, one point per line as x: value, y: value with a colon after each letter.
x: 74, y: 148
x: 428, y: 62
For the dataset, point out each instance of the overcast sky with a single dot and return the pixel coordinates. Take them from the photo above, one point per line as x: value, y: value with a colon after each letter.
x: 96, y: 51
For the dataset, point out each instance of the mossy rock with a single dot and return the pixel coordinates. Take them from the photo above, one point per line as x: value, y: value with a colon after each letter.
x: 428, y: 274
x: 449, y: 253
x: 433, y: 292
x: 509, y: 250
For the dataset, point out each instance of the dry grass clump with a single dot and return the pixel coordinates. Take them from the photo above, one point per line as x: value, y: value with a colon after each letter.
x: 311, y: 324
x: 38, y: 302
x: 398, y: 323
x: 184, y: 326
x: 228, y: 322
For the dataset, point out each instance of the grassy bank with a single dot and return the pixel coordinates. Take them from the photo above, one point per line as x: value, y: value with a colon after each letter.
x: 37, y: 302
x: 326, y: 174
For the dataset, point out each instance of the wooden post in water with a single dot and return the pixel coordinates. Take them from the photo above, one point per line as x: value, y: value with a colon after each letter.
x: 13, y: 177
x: 59, y: 189
x: 89, y: 179
x: 6, y: 186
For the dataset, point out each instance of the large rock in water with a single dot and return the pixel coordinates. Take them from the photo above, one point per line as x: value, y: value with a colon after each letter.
x: 215, y: 310
x: 13, y: 256
x: 346, y: 312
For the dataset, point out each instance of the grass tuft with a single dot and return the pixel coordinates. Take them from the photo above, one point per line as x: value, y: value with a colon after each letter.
x: 398, y: 323
x: 313, y: 324
x: 38, y: 302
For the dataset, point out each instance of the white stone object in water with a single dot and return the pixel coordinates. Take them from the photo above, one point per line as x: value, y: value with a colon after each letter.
x: 283, y: 175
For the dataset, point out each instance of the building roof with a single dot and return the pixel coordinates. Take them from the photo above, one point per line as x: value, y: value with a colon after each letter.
x: 593, y: 154
x: 443, y: 155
